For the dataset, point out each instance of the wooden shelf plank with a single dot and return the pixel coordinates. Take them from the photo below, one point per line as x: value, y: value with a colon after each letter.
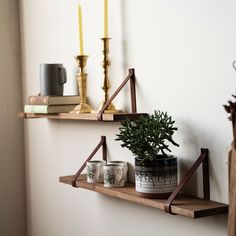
x: 184, y: 205
x: 86, y: 116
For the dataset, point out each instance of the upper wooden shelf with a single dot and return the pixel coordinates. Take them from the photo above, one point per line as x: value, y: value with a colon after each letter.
x: 86, y: 116
x: 184, y: 205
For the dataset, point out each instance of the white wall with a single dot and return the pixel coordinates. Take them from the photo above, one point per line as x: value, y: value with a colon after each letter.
x: 12, y: 176
x: 182, y: 52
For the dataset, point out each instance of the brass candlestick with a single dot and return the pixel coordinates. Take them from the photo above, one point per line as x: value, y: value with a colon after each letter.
x: 83, y: 107
x: 106, y: 83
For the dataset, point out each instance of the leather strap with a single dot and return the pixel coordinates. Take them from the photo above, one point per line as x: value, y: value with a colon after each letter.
x: 187, y: 177
x: 102, y: 144
x: 131, y: 77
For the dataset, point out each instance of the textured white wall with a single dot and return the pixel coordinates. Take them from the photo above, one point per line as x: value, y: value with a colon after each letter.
x: 12, y: 176
x: 182, y: 52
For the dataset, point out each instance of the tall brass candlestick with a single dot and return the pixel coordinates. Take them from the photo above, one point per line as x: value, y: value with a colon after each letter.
x: 83, y: 107
x: 106, y: 83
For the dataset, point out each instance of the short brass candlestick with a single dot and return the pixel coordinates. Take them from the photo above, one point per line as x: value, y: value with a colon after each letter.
x: 83, y: 107
x: 106, y: 83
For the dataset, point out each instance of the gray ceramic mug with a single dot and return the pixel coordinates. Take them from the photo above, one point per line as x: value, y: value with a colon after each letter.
x: 52, y: 79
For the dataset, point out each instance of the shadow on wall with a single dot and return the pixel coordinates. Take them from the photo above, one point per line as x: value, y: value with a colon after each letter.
x: 204, y: 226
x: 195, y: 139
x: 124, y: 32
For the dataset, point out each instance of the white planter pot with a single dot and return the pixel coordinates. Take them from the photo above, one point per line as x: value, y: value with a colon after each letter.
x: 156, y: 179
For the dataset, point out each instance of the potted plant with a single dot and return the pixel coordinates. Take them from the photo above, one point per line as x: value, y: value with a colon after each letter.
x: 148, y: 138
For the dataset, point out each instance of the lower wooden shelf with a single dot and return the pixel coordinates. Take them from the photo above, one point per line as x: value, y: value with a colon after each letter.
x: 184, y: 205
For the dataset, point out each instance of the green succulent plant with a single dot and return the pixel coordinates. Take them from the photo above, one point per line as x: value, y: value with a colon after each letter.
x: 148, y: 136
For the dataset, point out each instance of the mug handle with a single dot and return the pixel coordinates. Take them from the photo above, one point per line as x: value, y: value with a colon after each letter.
x: 62, y: 75
x: 120, y: 174
x: 234, y: 64
x: 98, y: 173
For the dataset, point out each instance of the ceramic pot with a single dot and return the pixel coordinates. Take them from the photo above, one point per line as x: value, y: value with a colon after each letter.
x: 157, y: 178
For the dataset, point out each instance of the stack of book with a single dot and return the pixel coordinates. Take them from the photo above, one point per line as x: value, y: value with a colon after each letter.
x: 51, y: 104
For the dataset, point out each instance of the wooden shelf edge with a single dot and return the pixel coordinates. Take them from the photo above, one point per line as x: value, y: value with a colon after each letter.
x: 86, y: 116
x: 184, y: 205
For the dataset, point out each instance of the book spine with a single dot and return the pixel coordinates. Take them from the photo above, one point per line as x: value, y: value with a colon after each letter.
x: 38, y: 100
x: 35, y: 109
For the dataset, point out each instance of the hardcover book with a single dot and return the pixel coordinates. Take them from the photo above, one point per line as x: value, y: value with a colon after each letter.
x: 54, y: 100
x: 45, y: 109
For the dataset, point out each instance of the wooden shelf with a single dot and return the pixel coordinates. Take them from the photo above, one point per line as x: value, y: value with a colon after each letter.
x: 184, y: 205
x: 89, y: 117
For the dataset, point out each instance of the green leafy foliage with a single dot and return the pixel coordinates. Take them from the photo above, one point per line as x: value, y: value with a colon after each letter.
x: 148, y: 136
